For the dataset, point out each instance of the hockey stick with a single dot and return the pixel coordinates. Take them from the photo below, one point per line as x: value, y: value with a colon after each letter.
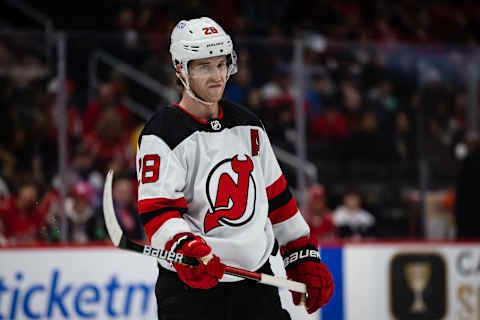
x: 121, y: 241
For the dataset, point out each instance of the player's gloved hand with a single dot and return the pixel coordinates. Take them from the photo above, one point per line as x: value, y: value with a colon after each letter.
x: 302, y: 263
x: 208, y: 272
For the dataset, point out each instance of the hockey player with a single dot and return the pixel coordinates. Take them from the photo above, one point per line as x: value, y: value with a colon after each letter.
x: 210, y: 187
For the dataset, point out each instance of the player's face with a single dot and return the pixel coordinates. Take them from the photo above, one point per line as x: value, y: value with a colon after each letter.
x: 208, y: 77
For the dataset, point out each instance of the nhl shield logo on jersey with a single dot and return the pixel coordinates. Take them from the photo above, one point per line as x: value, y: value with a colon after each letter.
x: 231, y: 181
x: 216, y: 125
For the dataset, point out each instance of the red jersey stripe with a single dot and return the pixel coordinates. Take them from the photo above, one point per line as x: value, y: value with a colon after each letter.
x: 276, y: 188
x: 284, y: 213
x: 149, y: 205
x: 153, y: 225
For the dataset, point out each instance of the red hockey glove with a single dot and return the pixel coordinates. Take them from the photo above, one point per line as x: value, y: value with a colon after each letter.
x: 302, y: 263
x: 208, y: 272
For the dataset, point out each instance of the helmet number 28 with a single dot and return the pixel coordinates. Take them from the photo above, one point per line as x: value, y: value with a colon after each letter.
x: 210, y: 30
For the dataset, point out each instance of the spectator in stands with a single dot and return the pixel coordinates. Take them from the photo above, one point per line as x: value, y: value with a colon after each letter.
x: 108, y: 100
x: 132, y: 45
x: 83, y: 223
x: 436, y: 143
x: 27, y: 67
x: 315, y: 45
x: 383, y: 31
x: 351, y: 99
x: 256, y: 104
x: 280, y: 117
x: 332, y: 123
x: 320, y: 90
x: 319, y: 216
x: 83, y: 167
x: 383, y: 101
x: 403, y: 144
x: 368, y: 144
x: 110, y: 141
x: 51, y: 112
x: 50, y: 205
x: 21, y: 217
x: 20, y: 154
x: 124, y: 191
x: 280, y: 86
x: 84, y: 196
x: 351, y: 220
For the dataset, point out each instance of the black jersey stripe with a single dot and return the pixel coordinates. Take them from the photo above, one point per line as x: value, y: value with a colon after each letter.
x: 280, y: 200
x: 149, y: 216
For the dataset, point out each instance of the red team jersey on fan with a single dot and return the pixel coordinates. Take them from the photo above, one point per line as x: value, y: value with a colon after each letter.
x: 218, y: 179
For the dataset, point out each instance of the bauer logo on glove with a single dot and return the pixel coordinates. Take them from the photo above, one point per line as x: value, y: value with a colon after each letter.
x: 302, y: 263
x: 300, y: 255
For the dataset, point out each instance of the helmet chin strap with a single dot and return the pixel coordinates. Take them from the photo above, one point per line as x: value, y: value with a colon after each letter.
x: 186, y: 84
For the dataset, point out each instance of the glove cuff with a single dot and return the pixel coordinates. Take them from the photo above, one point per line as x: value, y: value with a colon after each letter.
x: 299, y: 251
x: 299, y: 243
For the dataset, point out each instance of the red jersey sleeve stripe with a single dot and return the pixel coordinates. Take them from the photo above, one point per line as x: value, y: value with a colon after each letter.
x: 153, y: 225
x: 155, y: 204
x: 284, y: 212
x: 276, y: 188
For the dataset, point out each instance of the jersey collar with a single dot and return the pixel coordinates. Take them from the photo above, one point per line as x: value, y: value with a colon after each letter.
x: 220, y: 114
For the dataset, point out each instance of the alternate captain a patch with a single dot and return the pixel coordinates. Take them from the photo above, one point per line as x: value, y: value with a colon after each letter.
x: 255, y: 140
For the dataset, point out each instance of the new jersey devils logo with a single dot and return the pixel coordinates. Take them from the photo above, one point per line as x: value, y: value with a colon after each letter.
x: 235, y: 201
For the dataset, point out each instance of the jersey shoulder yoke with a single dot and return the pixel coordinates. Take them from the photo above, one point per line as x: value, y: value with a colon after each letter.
x: 173, y: 125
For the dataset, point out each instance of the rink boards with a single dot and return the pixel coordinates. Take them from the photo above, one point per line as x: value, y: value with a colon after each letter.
x: 373, y: 281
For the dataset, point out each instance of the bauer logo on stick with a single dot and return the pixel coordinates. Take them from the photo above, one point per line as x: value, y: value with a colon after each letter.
x: 163, y: 254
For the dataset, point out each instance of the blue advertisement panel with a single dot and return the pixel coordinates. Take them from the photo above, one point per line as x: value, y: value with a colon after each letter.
x: 76, y: 283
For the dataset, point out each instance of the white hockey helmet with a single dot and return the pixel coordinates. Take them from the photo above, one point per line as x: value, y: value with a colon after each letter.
x: 197, y: 39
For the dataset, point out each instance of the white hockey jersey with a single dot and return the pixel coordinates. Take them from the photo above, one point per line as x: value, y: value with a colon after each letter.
x: 218, y: 179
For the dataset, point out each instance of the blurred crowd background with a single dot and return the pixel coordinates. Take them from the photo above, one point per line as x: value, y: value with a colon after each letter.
x: 389, y: 101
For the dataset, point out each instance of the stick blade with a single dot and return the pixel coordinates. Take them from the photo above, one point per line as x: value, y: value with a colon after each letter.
x: 114, y: 230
